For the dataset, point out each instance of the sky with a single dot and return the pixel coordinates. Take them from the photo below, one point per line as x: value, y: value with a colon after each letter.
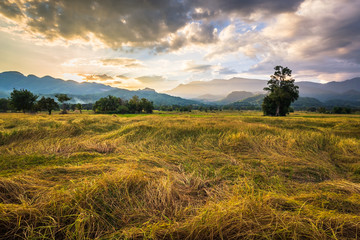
x: 160, y: 44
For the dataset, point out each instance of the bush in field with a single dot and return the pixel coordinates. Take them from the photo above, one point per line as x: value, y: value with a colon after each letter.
x: 113, y: 104
x: 282, y: 92
x: 63, y: 98
x: 47, y: 104
x: 23, y: 100
x: 108, y: 104
x: 4, y: 105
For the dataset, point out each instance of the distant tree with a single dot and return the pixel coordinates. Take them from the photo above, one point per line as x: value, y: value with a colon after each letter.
x: 87, y: 106
x: 22, y: 100
x: 134, y: 105
x: 79, y: 107
x: 146, y: 105
x: 321, y: 110
x: 122, y: 109
x: 4, y: 105
x: 73, y: 107
x: 47, y: 104
x: 186, y: 108
x: 166, y: 108
x: 341, y: 110
x: 111, y: 104
x: 281, y: 92
x: 108, y: 104
x: 347, y: 110
x: 337, y: 110
x: 311, y: 109
x: 63, y: 98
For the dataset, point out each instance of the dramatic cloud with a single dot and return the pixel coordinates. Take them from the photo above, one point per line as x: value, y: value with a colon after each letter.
x: 116, y: 23
x: 122, y: 76
x: 191, y: 66
x: 121, y: 23
x: 151, y: 79
x: 245, y: 7
x: 94, y: 77
x: 188, y: 40
x: 10, y: 10
x: 125, y: 62
x: 157, y: 82
x: 226, y: 71
x: 319, y: 38
x: 116, y: 83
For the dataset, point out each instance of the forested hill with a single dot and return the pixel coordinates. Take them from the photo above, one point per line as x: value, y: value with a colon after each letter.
x: 80, y: 92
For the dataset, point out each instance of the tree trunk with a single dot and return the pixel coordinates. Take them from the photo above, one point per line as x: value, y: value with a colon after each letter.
x: 49, y: 112
x: 277, y: 110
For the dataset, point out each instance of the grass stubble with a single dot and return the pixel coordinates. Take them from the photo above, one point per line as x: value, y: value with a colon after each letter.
x: 179, y: 176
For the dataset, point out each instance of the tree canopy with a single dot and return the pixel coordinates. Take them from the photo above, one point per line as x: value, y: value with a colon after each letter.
x: 63, y: 98
x: 47, y: 104
x: 109, y: 104
x: 281, y: 92
x: 22, y: 100
x: 113, y: 104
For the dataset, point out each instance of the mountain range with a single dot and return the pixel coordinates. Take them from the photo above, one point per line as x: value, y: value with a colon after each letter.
x: 222, y: 89
x: 241, y: 91
x: 302, y: 103
x: 217, y: 87
x: 79, y: 92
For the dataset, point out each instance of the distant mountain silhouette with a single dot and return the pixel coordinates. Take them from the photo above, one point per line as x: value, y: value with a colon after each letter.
x: 218, y: 91
x: 217, y: 87
x: 348, y: 90
x: 235, y: 97
x: 302, y: 103
x: 251, y: 101
x: 209, y: 98
x: 47, y: 84
x: 80, y: 92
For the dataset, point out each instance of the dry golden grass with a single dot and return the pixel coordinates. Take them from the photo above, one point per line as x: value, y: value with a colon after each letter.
x: 179, y: 176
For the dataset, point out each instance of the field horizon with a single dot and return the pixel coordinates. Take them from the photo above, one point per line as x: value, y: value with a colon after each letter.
x: 223, y: 175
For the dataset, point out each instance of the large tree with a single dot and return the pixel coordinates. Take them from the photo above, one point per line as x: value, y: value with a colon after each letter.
x: 22, y: 100
x: 63, y: 98
x: 47, y: 104
x: 281, y: 92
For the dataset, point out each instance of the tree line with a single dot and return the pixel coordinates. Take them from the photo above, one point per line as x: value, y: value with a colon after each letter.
x: 281, y: 92
x: 25, y: 101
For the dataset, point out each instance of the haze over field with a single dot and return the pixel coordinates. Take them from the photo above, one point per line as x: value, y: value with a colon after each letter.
x: 161, y: 44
